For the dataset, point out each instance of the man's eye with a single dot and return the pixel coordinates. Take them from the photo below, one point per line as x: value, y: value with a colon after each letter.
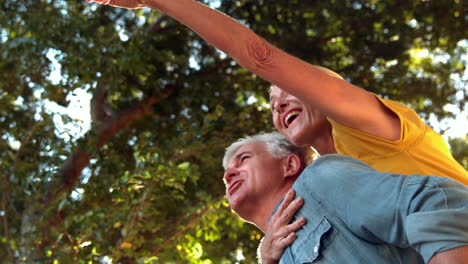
x: 243, y: 158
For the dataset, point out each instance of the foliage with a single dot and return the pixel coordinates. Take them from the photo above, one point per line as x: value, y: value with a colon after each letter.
x: 459, y: 147
x: 152, y: 192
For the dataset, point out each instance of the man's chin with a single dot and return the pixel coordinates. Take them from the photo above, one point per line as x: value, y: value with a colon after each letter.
x: 237, y: 208
x: 235, y: 204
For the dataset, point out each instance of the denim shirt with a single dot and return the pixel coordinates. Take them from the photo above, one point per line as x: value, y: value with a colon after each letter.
x: 357, y: 215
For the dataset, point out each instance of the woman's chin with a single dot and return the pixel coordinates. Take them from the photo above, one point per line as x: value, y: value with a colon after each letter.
x: 298, y: 141
x: 297, y: 136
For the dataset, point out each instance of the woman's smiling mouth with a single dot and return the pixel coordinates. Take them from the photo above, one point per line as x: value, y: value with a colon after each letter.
x: 290, y: 117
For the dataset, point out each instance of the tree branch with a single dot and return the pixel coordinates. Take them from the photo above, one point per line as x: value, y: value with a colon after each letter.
x: 76, y: 162
x: 123, y: 119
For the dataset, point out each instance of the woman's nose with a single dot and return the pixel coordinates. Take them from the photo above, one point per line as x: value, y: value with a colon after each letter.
x: 281, y: 105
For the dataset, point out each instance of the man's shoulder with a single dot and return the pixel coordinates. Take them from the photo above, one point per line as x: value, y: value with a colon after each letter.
x: 330, y: 170
x: 333, y: 163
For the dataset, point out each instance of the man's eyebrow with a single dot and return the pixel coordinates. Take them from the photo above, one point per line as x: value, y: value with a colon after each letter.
x: 237, y: 156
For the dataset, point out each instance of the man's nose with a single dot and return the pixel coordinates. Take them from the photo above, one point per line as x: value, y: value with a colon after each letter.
x: 229, y: 174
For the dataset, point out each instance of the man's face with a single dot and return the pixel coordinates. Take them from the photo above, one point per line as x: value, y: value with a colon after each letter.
x: 252, y: 175
x: 297, y: 121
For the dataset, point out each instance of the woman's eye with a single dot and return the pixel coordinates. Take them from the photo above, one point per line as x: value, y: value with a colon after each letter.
x: 243, y: 158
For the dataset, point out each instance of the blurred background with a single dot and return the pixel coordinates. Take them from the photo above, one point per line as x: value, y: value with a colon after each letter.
x: 114, y: 122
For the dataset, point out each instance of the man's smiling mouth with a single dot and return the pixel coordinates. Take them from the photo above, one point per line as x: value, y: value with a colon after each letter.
x: 234, y: 186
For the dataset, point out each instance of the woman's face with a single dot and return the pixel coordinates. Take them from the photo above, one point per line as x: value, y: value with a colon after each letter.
x: 297, y: 121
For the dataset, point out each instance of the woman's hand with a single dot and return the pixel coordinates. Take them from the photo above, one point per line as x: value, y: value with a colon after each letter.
x: 280, y: 233
x: 129, y: 4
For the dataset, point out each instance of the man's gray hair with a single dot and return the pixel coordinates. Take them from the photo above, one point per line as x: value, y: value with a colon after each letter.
x: 276, y: 144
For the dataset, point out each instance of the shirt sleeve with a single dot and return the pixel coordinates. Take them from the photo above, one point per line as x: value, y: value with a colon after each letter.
x: 427, y: 213
x: 359, y: 144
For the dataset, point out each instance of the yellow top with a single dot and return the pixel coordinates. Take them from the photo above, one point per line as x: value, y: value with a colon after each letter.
x: 420, y: 149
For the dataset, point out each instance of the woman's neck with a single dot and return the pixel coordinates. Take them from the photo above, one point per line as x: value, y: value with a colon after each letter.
x: 324, y: 143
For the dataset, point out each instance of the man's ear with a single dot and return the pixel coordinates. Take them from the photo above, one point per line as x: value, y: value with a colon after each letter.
x: 292, y: 166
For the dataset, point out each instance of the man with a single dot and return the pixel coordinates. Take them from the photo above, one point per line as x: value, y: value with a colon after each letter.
x: 355, y: 214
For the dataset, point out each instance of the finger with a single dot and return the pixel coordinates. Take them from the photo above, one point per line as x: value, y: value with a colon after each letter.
x: 296, y: 225
x: 286, y: 201
x: 285, y: 217
x: 291, y: 209
x: 291, y: 228
x: 287, y: 240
